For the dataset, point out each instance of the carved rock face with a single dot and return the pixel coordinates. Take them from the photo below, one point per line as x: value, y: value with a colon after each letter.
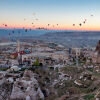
x: 98, y: 52
x: 1, y: 75
x: 98, y: 47
x: 26, y: 88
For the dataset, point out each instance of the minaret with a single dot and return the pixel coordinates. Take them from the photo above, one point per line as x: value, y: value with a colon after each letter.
x: 18, y: 51
x: 18, y: 48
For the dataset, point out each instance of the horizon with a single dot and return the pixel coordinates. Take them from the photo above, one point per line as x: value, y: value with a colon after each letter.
x: 49, y: 29
x: 55, y: 30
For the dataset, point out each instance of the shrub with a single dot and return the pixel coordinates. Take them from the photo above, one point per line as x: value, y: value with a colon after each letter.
x: 89, y: 97
x: 36, y: 63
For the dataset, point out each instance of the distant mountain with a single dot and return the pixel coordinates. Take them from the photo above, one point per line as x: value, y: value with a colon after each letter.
x: 72, y: 39
x: 66, y: 38
x: 22, y: 32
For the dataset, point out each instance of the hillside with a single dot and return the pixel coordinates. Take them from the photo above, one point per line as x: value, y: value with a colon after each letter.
x: 74, y: 39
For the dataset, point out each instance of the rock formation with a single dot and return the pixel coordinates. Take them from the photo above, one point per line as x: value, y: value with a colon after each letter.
x: 98, y: 52
x: 26, y: 88
x: 13, y: 87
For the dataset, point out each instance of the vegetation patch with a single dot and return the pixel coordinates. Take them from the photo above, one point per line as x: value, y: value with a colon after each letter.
x: 3, y: 68
x: 88, y: 97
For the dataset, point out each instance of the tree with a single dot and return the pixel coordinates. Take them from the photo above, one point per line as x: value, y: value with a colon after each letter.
x: 36, y: 63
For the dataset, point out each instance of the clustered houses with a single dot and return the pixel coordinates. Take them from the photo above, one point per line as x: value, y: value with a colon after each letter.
x: 47, y: 53
x: 83, y: 55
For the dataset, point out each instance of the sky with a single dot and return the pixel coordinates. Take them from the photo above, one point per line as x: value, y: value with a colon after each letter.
x: 59, y: 14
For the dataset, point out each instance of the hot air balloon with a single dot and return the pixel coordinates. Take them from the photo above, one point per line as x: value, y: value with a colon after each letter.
x: 36, y: 19
x: 84, y: 22
x: 5, y: 25
x: 24, y: 19
x: 34, y: 14
x: 25, y: 30
x: 91, y: 15
x: 73, y: 24
x: 12, y: 31
x: 18, y: 31
x: 80, y: 24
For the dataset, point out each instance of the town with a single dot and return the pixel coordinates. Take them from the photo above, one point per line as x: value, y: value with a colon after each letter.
x: 38, y: 70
